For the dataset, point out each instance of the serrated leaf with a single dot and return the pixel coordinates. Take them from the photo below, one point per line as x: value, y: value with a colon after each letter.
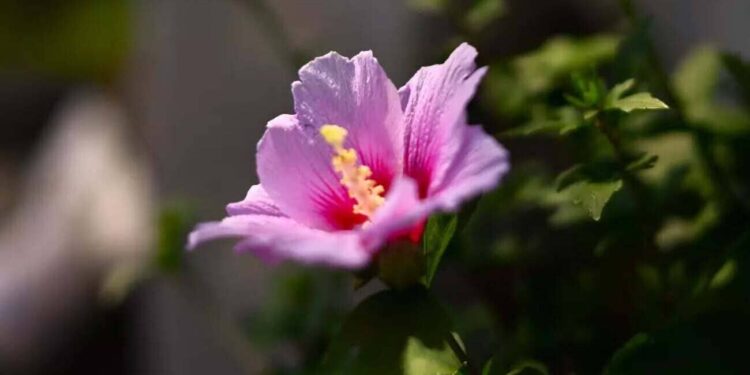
x: 394, y: 333
x: 592, y: 196
x: 619, y: 90
x: 639, y: 101
x: 437, y: 236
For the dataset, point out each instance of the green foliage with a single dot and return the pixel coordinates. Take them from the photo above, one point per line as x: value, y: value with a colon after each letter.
x: 707, y: 345
x: 696, y: 81
x: 514, y: 85
x: 437, y: 236
x: 394, y: 332
x: 522, y: 368
x: 303, y: 312
x: 641, y: 100
x: 618, y: 219
x: 593, y: 196
x: 174, y: 223
x: 740, y: 71
x: 81, y: 39
x: 484, y: 12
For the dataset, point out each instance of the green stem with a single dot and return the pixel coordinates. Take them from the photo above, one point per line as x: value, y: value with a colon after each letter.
x: 461, y: 354
x: 640, y: 191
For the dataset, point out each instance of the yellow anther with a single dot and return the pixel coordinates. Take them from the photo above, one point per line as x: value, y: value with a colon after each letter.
x: 356, y: 178
x: 333, y: 134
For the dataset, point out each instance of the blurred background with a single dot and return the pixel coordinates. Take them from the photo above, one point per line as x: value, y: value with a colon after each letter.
x: 125, y: 122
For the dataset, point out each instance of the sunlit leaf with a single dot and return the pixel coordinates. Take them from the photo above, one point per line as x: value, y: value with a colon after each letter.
x: 619, y: 90
x: 696, y: 78
x: 592, y: 196
x: 639, y: 101
x: 724, y: 275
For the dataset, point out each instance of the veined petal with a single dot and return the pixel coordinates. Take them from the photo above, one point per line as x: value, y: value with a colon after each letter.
x: 294, y: 167
x: 256, y: 202
x: 276, y: 238
x: 357, y: 95
x: 434, y: 100
x: 402, y: 211
x: 472, y: 163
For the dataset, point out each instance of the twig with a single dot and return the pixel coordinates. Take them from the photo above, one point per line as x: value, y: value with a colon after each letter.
x: 461, y: 354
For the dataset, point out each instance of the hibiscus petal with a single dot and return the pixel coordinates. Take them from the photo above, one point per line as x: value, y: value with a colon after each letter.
x: 294, y: 167
x: 256, y: 202
x: 434, y: 100
x: 473, y: 163
x: 355, y: 94
x: 276, y: 238
x: 401, y: 212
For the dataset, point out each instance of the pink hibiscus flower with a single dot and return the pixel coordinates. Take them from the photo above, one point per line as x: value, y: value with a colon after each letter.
x: 362, y: 164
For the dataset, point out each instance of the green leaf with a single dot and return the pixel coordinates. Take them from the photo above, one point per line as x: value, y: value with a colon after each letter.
x: 740, y: 71
x: 697, y: 77
x: 602, y: 170
x: 529, y: 368
x: 522, y: 368
x: 641, y: 100
x: 437, y: 236
x: 72, y: 39
x: 707, y: 344
x: 622, y: 355
x: 592, y: 196
x: 511, y: 86
x: 590, y: 89
x: 175, y: 222
x: 483, y: 13
x: 645, y: 161
x: 619, y: 90
x: 487, y: 369
x: 560, y: 121
x: 394, y: 333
